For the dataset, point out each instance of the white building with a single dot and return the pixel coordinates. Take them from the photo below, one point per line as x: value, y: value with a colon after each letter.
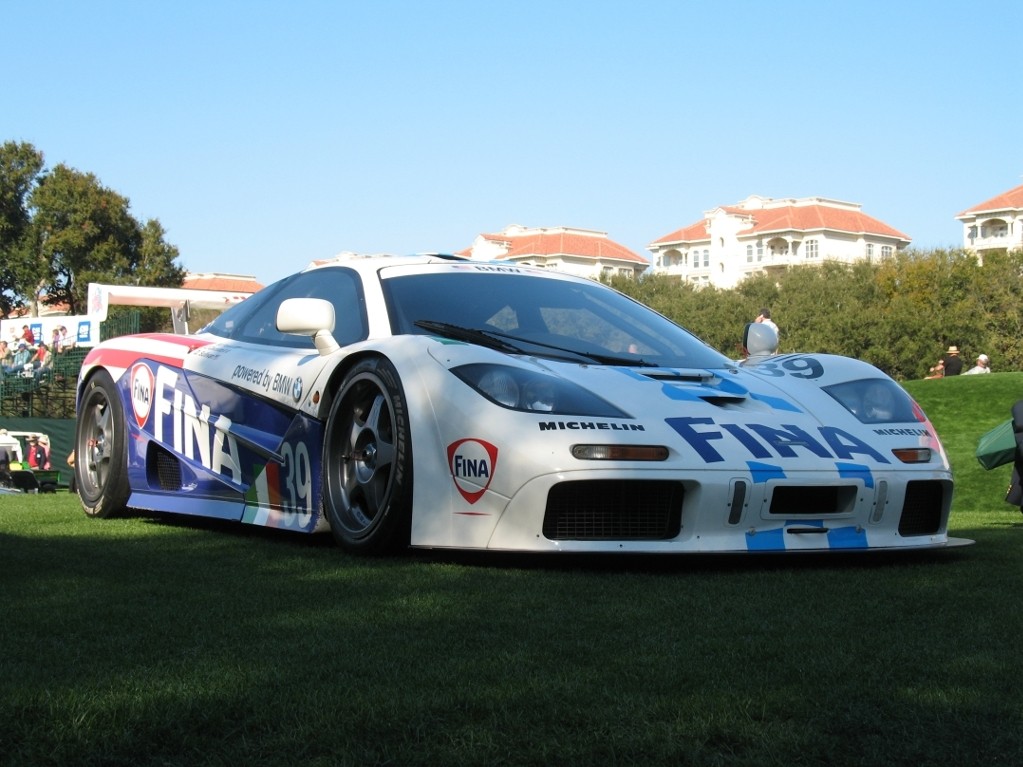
x: 582, y: 252
x: 996, y: 224
x: 760, y: 234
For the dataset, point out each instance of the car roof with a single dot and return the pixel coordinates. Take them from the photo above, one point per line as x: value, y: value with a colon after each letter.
x: 385, y: 259
x: 377, y: 262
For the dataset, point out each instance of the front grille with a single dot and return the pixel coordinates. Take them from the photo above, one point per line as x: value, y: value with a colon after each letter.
x: 614, y: 510
x: 921, y: 511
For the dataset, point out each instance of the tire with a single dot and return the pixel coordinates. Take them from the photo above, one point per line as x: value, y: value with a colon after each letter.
x: 101, y: 464
x: 367, y: 461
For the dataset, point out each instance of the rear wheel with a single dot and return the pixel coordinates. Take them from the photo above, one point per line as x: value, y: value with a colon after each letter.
x: 367, y: 460
x: 101, y: 471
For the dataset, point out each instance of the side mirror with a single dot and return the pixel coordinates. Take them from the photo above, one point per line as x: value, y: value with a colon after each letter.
x: 309, y: 317
x: 759, y: 341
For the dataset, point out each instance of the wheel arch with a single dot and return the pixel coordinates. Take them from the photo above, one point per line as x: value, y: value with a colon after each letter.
x: 83, y: 383
x: 337, y: 377
x: 103, y: 492
x: 395, y: 512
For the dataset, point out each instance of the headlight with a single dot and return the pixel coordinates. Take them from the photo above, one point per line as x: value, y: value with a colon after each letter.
x: 875, y: 400
x: 530, y: 391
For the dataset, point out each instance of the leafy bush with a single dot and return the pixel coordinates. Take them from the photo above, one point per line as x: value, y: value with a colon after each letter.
x: 899, y: 314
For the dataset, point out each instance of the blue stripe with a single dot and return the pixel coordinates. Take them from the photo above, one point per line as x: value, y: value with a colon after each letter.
x: 776, y: 402
x: 764, y: 471
x: 847, y: 538
x: 855, y: 471
x: 766, y: 540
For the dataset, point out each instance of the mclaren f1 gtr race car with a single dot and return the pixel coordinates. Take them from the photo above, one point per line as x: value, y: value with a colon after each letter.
x: 438, y: 402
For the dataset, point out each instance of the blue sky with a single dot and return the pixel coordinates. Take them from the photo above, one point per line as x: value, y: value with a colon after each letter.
x: 264, y: 135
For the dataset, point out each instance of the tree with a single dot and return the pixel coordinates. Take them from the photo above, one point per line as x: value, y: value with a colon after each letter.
x: 85, y: 233
x: 61, y: 229
x: 156, y: 267
x: 998, y: 291
x: 20, y: 168
x: 899, y: 314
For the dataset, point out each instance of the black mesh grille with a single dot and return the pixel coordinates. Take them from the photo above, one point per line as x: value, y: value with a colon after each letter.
x: 921, y: 512
x: 164, y: 469
x: 614, y: 510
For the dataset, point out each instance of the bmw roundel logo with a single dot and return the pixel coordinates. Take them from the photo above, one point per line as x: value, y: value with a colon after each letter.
x: 296, y: 389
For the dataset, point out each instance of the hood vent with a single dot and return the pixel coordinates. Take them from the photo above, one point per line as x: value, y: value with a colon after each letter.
x: 679, y: 376
x: 702, y: 384
x: 723, y: 400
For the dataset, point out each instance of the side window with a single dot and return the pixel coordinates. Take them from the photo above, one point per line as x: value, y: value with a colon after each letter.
x: 344, y: 290
x: 339, y: 286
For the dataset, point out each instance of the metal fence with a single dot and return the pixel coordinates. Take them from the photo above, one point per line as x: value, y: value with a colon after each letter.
x: 50, y: 392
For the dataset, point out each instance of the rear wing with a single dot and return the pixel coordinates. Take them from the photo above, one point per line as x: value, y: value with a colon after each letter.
x: 179, y: 300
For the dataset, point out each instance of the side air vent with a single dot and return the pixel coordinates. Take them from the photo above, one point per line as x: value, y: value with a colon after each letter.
x: 163, y: 469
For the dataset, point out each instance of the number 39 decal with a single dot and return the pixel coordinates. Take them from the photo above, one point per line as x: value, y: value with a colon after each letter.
x: 297, y: 495
x: 797, y: 367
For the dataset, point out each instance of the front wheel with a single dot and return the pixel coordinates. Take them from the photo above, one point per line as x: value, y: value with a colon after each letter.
x: 101, y: 470
x: 367, y: 460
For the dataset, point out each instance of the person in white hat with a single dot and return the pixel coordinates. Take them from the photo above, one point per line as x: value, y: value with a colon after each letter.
x: 983, y: 366
x: 953, y: 362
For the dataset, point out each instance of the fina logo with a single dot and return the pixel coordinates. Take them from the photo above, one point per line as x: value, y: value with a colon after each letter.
x: 142, y: 384
x: 472, y: 463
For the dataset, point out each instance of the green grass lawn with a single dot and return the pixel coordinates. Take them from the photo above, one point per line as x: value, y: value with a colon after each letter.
x: 150, y: 642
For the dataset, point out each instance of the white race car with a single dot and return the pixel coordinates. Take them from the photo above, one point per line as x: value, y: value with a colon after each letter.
x: 436, y: 402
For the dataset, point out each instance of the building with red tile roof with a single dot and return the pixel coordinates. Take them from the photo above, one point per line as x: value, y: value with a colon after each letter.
x: 237, y: 283
x: 995, y: 224
x: 241, y: 284
x: 583, y: 252
x: 761, y: 234
x: 223, y: 290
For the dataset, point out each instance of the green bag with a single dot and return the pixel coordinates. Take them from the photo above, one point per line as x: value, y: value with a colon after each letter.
x: 998, y: 446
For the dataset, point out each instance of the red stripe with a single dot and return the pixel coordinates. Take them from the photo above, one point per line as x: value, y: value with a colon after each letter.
x: 273, y: 489
x: 172, y: 338
x: 123, y: 358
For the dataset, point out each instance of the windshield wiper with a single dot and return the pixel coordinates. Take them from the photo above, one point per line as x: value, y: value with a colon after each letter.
x: 603, y: 359
x: 471, y: 335
x: 494, y: 339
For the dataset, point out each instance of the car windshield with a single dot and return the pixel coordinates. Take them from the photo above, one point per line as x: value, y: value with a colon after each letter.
x: 518, y: 312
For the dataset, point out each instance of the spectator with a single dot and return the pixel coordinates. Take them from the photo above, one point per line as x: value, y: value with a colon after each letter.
x: 43, y: 455
x: 27, y: 335
x: 953, y: 362
x: 72, y: 484
x: 55, y: 341
x: 983, y: 366
x: 765, y: 317
x: 41, y: 361
x: 6, y: 354
x: 34, y: 453
x: 937, y: 370
x: 66, y: 342
x: 21, y: 358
